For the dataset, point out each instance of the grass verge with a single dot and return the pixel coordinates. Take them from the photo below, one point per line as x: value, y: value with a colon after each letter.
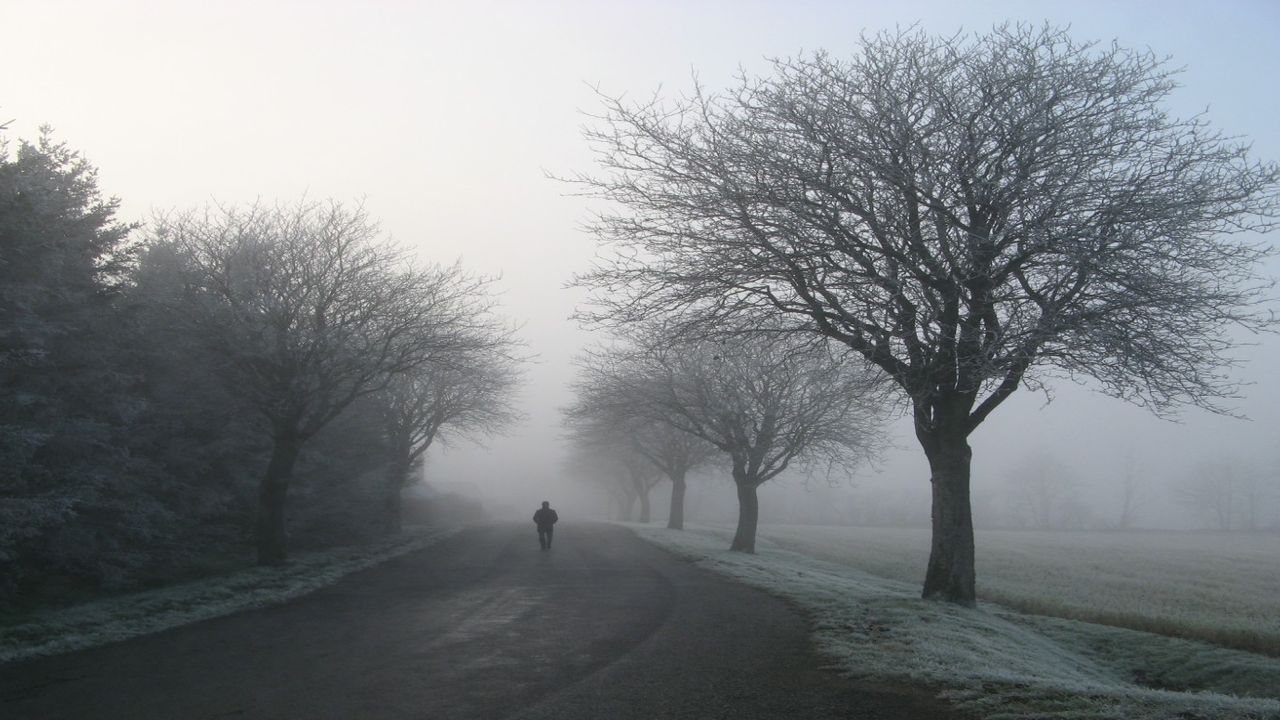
x: 127, y: 616
x: 1216, y: 587
x: 994, y: 662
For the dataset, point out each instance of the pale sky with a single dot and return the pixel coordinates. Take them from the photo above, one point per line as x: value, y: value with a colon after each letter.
x: 445, y: 117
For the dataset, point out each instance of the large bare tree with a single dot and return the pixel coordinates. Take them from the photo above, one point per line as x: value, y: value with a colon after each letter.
x: 970, y: 213
x: 305, y: 309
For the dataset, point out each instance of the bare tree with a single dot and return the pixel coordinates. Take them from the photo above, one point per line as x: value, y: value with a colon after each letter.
x: 1258, y: 494
x: 969, y: 213
x: 1042, y: 492
x: 467, y: 393
x: 1133, y: 493
x: 1227, y: 494
x: 605, y: 394
x: 605, y: 453
x: 1212, y: 492
x: 584, y: 461
x: 765, y: 403
x: 642, y: 476
x: 675, y: 453
x: 305, y: 310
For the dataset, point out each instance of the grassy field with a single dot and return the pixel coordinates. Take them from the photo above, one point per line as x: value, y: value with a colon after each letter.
x: 1004, y: 664
x: 1215, y: 587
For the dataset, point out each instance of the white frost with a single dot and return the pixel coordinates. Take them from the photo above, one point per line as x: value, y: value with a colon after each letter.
x: 990, y: 660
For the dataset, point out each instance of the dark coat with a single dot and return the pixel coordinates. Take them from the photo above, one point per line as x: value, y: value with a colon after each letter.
x: 545, y: 517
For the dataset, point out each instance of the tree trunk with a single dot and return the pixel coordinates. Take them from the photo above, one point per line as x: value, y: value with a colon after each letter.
x: 744, y: 540
x: 950, y: 576
x: 675, y: 519
x: 273, y: 491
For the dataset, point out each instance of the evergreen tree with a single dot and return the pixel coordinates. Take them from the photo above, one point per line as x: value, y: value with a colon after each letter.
x: 64, y: 401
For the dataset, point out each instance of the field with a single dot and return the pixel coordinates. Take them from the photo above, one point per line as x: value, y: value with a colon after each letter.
x: 1217, y: 587
x: 860, y: 588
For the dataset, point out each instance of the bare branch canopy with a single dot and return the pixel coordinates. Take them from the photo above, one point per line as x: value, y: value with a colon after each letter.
x: 969, y: 213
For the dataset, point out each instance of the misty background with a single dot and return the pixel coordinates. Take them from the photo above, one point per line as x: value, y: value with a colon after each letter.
x: 445, y: 120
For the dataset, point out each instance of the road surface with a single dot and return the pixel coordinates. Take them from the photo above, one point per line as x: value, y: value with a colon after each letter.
x: 482, y: 625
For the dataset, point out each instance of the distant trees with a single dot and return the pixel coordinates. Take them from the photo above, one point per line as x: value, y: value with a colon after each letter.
x: 1133, y: 493
x: 1212, y: 493
x: 1225, y: 494
x: 676, y: 454
x: 606, y: 403
x: 157, y: 393
x: 767, y: 405
x: 1259, y: 493
x: 604, y: 454
x: 469, y: 392
x: 764, y: 403
x: 305, y: 311
x: 967, y: 213
x: 1044, y: 493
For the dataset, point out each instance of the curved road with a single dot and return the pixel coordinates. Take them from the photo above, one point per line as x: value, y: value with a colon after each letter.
x: 482, y: 625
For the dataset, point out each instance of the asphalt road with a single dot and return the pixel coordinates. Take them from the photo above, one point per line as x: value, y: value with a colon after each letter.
x: 483, y: 625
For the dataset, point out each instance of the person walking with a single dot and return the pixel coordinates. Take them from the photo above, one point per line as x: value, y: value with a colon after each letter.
x: 545, y: 518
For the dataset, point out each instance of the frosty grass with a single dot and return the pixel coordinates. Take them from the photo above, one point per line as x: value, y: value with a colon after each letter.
x: 1220, y: 587
x: 127, y: 616
x: 992, y: 661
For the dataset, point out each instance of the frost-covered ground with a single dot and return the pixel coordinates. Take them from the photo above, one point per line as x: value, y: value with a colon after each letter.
x: 1219, y: 587
x: 127, y: 616
x: 993, y: 661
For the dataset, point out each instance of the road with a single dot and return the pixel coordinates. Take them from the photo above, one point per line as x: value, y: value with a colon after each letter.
x: 483, y: 625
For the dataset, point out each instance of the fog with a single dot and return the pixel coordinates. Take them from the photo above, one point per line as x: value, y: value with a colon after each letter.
x: 446, y: 119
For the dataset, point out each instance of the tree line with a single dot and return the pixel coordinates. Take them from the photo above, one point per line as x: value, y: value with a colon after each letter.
x: 273, y: 371
x: 969, y: 215
x: 760, y: 405
x: 929, y: 224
